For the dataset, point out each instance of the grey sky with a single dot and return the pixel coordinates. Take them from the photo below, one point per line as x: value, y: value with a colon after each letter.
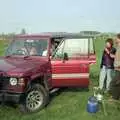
x: 59, y: 15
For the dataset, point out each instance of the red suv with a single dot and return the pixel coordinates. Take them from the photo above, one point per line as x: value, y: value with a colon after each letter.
x: 35, y: 64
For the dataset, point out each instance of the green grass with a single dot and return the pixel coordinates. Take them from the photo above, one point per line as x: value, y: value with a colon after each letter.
x: 67, y: 104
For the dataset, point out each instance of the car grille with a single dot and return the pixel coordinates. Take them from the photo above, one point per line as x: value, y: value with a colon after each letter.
x: 4, y: 82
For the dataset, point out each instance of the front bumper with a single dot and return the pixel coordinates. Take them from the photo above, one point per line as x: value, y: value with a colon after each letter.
x: 11, y: 97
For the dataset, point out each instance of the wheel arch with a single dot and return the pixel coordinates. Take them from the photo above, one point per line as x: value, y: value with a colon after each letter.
x: 42, y: 80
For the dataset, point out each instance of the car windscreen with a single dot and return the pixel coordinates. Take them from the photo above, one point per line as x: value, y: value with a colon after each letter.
x: 28, y: 47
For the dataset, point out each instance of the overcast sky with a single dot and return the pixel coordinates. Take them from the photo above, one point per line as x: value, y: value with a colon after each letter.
x: 59, y: 15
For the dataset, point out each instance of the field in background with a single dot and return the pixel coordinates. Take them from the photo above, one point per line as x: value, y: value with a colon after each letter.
x: 67, y: 104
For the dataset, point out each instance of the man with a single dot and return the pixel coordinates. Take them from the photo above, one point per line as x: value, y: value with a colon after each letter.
x: 33, y: 51
x: 107, y: 64
x: 115, y: 84
x: 53, y: 46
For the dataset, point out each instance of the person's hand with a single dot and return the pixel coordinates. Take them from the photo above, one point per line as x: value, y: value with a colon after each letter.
x: 112, y: 56
x: 107, y: 51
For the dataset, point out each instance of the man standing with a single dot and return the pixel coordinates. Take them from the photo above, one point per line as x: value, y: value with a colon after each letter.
x: 115, y: 84
x: 107, y: 64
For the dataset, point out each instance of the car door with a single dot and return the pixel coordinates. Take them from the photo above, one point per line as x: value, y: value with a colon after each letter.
x: 70, y: 64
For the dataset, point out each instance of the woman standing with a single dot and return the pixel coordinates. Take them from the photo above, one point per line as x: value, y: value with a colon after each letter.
x: 107, y: 64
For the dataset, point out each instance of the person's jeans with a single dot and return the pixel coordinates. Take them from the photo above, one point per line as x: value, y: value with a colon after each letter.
x: 105, y: 73
x: 115, y: 85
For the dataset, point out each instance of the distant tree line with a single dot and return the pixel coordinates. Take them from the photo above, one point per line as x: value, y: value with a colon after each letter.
x: 99, y: 34
x: 90, y: 32
x: 4, y: 36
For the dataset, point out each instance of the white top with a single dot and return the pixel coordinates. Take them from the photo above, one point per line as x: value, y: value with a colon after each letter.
x: 44, y: 53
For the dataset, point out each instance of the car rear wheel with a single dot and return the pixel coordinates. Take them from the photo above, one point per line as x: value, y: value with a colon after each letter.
x: 35, y: 99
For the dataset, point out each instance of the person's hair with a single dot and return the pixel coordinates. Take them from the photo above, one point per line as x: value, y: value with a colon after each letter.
x: 109, y: 40
x: 118, y: 35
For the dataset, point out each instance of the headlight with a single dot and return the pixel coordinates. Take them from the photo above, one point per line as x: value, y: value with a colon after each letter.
x: 13, y: 81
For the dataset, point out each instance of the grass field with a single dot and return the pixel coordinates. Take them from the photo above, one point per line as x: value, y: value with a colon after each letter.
x: 67, y: 104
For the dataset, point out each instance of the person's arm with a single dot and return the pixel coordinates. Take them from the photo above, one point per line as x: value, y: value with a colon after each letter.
x: 107, y: 51
x: 117, y: 59
x: 112, y: 53
x: 102, y: 60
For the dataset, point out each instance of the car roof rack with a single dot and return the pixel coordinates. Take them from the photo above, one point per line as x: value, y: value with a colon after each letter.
x: 69, y: 35
x: 58, y: 35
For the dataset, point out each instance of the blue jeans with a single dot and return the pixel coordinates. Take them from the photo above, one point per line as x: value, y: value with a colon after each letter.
x: 105, y: 73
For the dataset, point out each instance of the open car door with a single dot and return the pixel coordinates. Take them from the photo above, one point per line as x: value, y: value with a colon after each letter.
x: 70, y: 62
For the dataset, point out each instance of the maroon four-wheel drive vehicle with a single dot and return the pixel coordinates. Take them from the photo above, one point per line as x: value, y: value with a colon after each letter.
x: 35, y: 64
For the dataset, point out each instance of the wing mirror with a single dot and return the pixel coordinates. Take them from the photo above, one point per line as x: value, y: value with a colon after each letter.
x: 65, y: 56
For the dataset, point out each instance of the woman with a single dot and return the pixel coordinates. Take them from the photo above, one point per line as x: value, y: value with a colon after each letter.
x: 107, y: 65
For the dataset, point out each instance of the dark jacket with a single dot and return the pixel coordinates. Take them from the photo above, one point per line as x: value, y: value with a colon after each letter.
x: 107, y: 60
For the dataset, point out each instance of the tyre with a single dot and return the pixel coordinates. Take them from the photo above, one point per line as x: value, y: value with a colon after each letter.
x: 35, y: 99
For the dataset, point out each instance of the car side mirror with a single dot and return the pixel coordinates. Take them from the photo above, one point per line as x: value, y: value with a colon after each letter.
x: 65, y: 56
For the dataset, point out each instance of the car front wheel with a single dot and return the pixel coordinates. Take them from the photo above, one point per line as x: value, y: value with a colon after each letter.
x: 35, y: 99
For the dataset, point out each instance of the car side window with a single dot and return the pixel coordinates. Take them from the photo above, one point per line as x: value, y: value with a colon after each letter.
x: 76, y: 47
x: 73, y: 48
x: 58, y: 53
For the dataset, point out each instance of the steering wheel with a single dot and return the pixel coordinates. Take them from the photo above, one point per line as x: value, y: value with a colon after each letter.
x: 21, y: 52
